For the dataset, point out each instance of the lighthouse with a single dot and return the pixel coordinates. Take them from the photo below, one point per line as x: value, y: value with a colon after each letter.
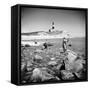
x: 52, y: 27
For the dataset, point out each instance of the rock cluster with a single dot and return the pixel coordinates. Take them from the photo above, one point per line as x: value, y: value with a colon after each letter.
x: 42, y: 65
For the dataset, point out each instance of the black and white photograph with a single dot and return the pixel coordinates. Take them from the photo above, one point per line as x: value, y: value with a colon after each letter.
x: 44, y: 44
x: 53, y: 45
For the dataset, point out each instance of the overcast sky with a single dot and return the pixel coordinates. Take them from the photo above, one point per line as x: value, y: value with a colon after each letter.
x: 35, y: 19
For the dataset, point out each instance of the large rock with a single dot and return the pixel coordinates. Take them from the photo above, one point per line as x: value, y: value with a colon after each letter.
x: 68, y: 66
x: 73, y: 63
x: 23, y: 64
x: 38, y: 51
x: 81, y: 74
x: 67, y: 75
x: 52, y: 63
x: 61, y: 50
x: 71, y: 56
x: 78, y: 65
x: 29, y: 65
x: 38, y: 57
x: 58, y: 66
x: 74, y: 66
x: 40, y: 75
x: 52, y: 58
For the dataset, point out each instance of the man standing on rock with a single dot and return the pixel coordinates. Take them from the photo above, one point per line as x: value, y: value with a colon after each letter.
x: 64, y: 44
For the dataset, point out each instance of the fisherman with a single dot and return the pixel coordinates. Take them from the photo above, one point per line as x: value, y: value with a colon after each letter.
x: 64, y: 44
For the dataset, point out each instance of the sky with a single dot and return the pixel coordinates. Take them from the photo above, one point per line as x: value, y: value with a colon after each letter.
x: 37, y: 19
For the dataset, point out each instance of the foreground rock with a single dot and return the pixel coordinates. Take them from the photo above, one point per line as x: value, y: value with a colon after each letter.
x: 52, y: 63
x: 74, y: 62
x: 71, y: 56
x: 67, y: 75
x: 41, y: 74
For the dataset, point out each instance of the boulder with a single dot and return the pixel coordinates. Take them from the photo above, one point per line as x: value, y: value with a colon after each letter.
x: 38, y: 51
x: 78, y: 65
x: 61, y: 50
x: 52, y: 58
x: 67, y: 75
x: 40, y: 75
x: 38, y: 57
x: 23, y: 64
x: 80, y: 74
x: 73, y: 63
x: 52, y: 63
x: 29, y: 63
x: 71, y: 56
x: 74, y: 66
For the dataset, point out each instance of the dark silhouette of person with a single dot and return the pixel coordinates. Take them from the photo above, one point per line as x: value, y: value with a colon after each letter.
x: 45, y: 45
x: 64, y: 44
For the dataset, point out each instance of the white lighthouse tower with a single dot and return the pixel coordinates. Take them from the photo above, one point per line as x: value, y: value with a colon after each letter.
x: 52, y: 27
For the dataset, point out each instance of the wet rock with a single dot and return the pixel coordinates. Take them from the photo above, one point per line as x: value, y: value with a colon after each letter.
x: 80, y: 74
x: 58, y: 66
x: 53, y: 58
x: 78, y: 65
x: 27, y: 45
x: 38, y: 50
x: 40, y: 74
x: 29, y: 63
x: 71, y: 56
x: 61, y: 50
x: 73, y: 63
x: 38, y: 57
x: 29, y: 69
x: 75, y: 66
x: 23, y: 66
x: 52, y: 63
x: 68, y: 66
x: 67, y: 75
x: 23, y: 81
